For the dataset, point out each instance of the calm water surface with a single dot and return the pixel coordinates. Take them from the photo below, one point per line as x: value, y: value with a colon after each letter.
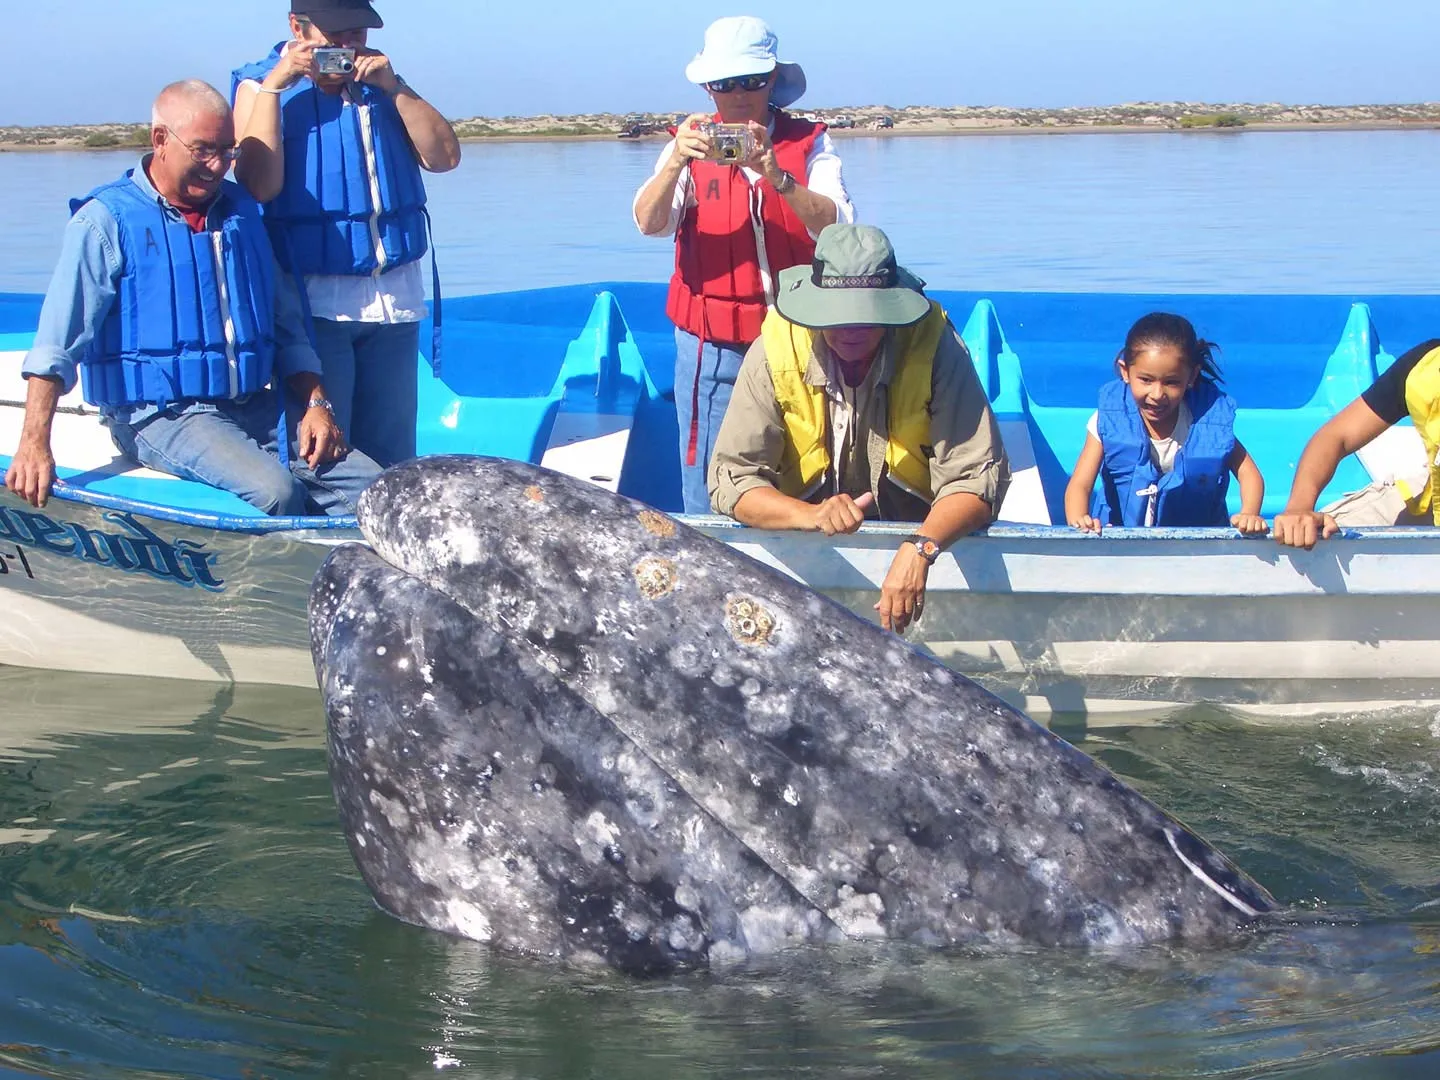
x: 176, y: 898
x: 1346, y: 212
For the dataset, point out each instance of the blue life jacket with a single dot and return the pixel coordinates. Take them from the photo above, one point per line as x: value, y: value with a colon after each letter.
x: 1193, y: 493
x: 322, y: 220
x: 165, y: 337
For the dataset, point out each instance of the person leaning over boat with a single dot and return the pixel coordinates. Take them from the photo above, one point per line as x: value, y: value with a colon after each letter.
x: 735, y: 225
x: 168, y: 301
x: 1409, y: 387
x: 1162, y: 442
x: 859, y: 399
x: 336, y: 161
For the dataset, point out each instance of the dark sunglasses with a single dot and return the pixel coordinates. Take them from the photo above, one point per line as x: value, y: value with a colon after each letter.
x: 740, y: 82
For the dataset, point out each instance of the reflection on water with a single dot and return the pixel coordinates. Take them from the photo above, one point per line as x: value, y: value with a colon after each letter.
x: 1326, y: 212
x: 176, y: 899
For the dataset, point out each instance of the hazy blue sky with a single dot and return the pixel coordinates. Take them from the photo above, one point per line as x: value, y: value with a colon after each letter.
x: 99, y: 60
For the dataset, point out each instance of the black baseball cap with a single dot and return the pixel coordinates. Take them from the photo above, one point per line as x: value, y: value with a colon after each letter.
x: 333, y: 16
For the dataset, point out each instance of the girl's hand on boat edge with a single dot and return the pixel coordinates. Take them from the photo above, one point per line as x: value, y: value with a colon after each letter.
x: 1250, y: 524
x: 1085, y: 523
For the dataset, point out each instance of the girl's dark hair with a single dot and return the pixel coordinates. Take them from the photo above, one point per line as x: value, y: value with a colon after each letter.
x: 1160, y: 328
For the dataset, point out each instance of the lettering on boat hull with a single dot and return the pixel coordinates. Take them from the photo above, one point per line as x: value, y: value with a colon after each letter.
x: 132, y: 548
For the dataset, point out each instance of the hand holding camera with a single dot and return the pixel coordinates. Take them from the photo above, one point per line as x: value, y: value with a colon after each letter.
x: 373, y: 68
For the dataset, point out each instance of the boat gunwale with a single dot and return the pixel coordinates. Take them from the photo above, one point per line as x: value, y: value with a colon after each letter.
x: 239, y: 523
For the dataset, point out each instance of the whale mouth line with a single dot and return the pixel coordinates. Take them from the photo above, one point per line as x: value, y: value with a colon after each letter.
x: 1209, y: 882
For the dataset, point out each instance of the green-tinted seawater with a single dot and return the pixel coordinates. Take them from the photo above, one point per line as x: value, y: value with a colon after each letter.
x: 177, y: 900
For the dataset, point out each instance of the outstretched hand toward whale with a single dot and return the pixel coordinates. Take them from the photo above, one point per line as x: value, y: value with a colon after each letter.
x: 902, y: 595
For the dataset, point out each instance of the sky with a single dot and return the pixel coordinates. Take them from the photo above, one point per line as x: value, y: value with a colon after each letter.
x: 95, y: 61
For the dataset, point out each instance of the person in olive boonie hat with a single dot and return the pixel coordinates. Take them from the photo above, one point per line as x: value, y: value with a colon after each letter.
x: 853, y: 280
x: 859, y: 400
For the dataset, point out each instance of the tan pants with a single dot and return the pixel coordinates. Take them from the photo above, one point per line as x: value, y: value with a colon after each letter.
x: 1379, y: 503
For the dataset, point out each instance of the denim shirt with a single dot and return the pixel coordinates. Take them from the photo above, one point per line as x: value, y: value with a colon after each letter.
x: 85, y: 285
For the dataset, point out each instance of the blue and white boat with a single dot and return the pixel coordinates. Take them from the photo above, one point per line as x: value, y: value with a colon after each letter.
x: 130, y: 571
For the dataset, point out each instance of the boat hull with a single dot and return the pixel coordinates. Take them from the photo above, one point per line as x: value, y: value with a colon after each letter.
x: 1134, y: 624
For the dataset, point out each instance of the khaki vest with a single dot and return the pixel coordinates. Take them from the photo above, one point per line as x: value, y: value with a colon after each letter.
x: 806, y: 455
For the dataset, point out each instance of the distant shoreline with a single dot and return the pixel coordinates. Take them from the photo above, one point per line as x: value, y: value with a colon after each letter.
x: 868, y: 121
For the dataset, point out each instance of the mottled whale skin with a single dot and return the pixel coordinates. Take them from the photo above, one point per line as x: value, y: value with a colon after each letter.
x: 484, y: 798
x: 850, y: 785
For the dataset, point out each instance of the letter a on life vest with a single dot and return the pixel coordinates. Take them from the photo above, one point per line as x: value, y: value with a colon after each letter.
x: 150, y: 244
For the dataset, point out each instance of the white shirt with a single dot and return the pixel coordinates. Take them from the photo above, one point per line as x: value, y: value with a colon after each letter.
x: 1162, y: 451
x: 396, y: 296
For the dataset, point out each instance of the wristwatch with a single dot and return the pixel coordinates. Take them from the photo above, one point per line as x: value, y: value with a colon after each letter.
x: 786, y: 184
x: 321, y: 403
x: 929, y: 550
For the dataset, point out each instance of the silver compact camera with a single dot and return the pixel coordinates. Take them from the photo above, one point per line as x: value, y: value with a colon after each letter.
x: 730, y: 144
x: 334, y: 61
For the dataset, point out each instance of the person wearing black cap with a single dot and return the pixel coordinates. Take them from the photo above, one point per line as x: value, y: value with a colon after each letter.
x: 334, y: 151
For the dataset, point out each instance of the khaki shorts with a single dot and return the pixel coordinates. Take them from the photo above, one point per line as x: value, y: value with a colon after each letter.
x: 1378, y: 504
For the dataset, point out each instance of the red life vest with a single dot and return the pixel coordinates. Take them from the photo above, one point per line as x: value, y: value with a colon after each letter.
x: 716, y: 292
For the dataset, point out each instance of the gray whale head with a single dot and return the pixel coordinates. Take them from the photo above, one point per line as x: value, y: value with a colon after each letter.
x: 567, y: 724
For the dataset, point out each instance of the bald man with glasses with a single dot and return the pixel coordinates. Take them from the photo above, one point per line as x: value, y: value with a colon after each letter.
x: 736, y: 223
x: 169, y: 308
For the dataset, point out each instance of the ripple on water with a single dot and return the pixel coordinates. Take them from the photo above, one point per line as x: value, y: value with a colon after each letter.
x: 206, y: 920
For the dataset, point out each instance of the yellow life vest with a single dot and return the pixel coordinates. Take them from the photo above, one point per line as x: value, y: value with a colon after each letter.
x: 806, y: 454
x: 1422, y: 398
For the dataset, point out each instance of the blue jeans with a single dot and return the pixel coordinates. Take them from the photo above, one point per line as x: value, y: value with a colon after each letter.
x: 232, y: 446
x: 369, y: 372
x: 718, y: 367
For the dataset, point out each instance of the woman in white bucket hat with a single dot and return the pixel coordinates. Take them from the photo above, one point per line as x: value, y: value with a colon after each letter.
x: 736, y: 224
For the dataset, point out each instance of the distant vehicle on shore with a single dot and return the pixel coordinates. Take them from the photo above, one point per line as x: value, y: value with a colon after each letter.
x: 634, y: 126
x: 880, y: 123
x: 841, y: 120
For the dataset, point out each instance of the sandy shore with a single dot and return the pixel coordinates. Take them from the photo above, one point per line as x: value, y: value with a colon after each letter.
x: 870, y: 121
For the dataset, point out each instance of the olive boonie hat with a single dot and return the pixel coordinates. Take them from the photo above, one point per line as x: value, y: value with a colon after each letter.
x: 853, y: 281
x: 333, y: 16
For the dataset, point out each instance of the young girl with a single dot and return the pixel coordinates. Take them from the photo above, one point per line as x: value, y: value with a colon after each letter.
x: 1163, y: 440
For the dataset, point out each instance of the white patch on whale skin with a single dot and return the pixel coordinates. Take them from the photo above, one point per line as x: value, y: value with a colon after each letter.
x: 858, y: 914
x: 769, y: 929
x: 395, y: 813
x: 692, y: 831
x: 789, y: 796
x: 770, y: 713
x: 468, y: 920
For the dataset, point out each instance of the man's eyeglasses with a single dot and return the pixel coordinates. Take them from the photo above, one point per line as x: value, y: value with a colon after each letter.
x: 207, y: 154
x: 740, y: 82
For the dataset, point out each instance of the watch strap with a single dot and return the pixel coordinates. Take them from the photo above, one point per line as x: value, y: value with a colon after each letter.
x: 928, y: 548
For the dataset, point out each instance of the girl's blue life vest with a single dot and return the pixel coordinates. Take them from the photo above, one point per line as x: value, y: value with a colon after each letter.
x: 165, y: 337
x: 325, y: 219
x: 1193, y: 492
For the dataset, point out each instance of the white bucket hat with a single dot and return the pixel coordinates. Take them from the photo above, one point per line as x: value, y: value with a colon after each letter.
x: 744, y: 45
